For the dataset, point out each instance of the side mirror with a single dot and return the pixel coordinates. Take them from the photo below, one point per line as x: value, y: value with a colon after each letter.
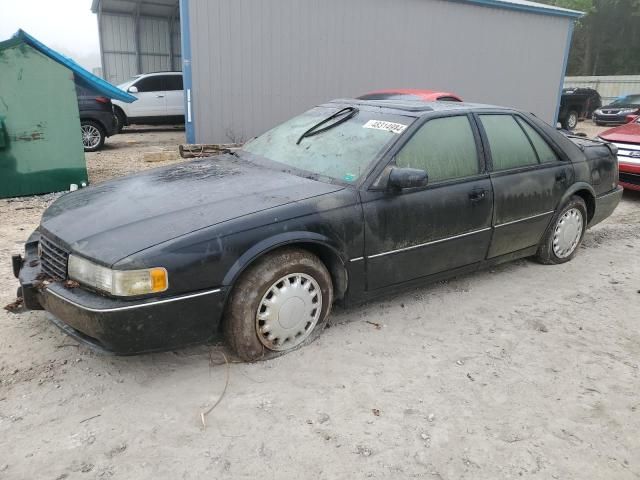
x: 132, y: 89
x: 403, y: 178
x: 631, y: 118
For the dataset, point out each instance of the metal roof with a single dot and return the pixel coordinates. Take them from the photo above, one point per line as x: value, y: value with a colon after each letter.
x: 83, y: 76
x: 156, y: 8
x: 167, y: 8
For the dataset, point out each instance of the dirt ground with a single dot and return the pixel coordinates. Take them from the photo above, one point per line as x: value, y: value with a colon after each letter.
x: 523, y: 371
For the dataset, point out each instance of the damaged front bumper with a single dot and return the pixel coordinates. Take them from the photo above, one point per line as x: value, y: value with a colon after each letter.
x: 115, y: 325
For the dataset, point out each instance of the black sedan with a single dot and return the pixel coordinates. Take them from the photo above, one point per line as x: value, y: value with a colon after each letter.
x: 617, y: 111
x: 347, y: 201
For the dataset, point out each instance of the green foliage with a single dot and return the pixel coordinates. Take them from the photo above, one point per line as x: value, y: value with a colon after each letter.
x: 606, y: 41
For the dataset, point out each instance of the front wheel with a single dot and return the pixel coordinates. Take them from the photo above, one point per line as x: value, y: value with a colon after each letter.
x: 564, y: 235
x: 280, y: 303
x: 93, y: 135
x: 571, y: 121
x: 121, y: 118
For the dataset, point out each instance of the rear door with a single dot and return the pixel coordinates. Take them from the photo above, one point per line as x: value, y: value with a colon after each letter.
x: 174, y: 94
x: 151, y: 97
x: 421, y: 232
x: 529, y: 178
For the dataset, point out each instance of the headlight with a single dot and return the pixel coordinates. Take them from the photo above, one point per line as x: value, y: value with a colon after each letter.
x: 625, y: 111
x: 120, y: 283
x: 597, y: 111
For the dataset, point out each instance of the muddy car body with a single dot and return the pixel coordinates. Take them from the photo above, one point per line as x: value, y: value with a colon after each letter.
x: 257, y: 247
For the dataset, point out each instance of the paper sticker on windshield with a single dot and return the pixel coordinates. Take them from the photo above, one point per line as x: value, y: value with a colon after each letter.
x: 388, y: 126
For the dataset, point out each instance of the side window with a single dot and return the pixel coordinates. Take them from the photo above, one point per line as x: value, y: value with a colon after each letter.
x: 173, y: 82
x: 444, y: 147
x: 510, y: 148
x: 150, y: 84
x: 545, y: 152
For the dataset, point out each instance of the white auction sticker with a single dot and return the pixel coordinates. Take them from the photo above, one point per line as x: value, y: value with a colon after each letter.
x: 382, y: 125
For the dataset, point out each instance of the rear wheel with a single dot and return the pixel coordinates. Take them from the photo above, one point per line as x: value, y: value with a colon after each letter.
x: 93, y: 135
x: 571, y: 120
x: 564, y: 235
x: 122, y: 119
x: 280, y: 303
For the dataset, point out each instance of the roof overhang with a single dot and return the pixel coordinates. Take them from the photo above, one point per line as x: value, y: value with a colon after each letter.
x: 527, y: 7
x: 153, y: 8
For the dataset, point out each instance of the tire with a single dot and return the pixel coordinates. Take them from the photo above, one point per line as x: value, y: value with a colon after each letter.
x: 570, y: 121
x: 248, y: 323
x: 572, y: 218
x: 93, y: 135
x: 122, y: 119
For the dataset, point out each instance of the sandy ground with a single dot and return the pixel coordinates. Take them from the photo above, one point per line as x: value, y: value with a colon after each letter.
x: 523, y: 371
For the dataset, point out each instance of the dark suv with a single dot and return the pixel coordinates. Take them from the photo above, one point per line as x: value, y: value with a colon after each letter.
x: 577, y: 104
x: 97, y: 119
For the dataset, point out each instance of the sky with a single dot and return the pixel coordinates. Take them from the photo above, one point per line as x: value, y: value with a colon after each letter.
x: 67, y: 26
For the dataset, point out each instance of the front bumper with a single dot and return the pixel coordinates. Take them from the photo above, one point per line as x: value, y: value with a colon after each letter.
x: 605, y: 205
x: 629, y: 175
x: 123, y: 327
x: 610, y: 119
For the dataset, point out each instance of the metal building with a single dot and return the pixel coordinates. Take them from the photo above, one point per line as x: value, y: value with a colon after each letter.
x: 250, y: 64
x: 138, y: 36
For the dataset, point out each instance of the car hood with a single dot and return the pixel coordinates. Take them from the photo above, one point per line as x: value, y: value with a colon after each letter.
x: 627, y: 133
x: 619, y: 107
x: 112, y: 220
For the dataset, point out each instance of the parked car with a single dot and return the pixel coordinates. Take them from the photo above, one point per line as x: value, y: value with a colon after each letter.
x: 348, y: 201
x: 627, y: 139
x: 160, y: 100
x: 411, y: 94
x: 617, y: 111
x: 97, y: 120
x: 577, y: 104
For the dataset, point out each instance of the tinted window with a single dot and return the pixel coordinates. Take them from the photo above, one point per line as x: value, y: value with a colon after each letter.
x: 150, y: 84
x: 509, y: 146
x: 444, y: 147
x: 173, y: 82
x: 544, y: 151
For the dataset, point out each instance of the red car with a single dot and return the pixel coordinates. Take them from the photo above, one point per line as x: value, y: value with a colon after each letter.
x: 411, y: 94
x: 627, y: 139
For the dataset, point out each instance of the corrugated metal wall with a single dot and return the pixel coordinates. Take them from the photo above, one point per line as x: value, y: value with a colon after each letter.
x: 256, y: 63
x: 156, y: 42
x: 609, y: 87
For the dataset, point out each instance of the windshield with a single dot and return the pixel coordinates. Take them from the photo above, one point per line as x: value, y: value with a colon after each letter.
x: 125, y: 85
x: 628, y: 100
x: 342, y: 152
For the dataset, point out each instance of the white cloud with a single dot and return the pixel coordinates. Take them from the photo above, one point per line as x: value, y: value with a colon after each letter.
x: 67, y: 26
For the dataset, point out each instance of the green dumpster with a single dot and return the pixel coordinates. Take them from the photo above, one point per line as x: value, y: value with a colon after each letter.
x: 41, y: 148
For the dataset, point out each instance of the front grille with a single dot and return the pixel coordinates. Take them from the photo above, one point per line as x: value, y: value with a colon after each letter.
x: 53, y: 259
x: 632, y: 178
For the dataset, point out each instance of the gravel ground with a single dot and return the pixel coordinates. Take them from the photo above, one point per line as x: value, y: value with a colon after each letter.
x: 523, y: 371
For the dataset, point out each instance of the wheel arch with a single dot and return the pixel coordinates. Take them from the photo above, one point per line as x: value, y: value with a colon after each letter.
x: 317, y: 244
x: 587, y: 193
x: 118, y: 108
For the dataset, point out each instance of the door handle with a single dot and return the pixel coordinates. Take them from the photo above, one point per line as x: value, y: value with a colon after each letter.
x: 477, y: 195
x: 159, y: 96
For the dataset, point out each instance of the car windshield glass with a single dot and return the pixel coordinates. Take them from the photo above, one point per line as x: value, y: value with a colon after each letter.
x: 344, y: 152
x: 628, y: 100
x: 124, y: 85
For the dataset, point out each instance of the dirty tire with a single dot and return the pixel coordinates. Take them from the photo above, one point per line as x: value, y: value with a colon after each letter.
x: 570, y: 121
x: 93, y: 135
x: 546, y: 253
x: 240, y: 322
x: 122, y: 119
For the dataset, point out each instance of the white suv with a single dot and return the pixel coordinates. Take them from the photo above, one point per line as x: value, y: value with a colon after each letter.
x: 160, y: 99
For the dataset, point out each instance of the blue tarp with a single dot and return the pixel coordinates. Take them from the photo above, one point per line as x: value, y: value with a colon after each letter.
x: 84, y: 76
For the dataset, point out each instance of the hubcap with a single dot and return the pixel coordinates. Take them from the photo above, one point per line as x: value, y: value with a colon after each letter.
x: 573, y: 121
x: 90, y: 136
x: 567, y: 233
x: 288, y: 312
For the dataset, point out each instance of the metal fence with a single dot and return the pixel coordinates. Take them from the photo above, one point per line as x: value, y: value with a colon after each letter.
x: 610, y: 87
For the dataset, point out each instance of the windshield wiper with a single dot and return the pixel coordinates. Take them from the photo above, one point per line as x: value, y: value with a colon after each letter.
x: 315, y: 130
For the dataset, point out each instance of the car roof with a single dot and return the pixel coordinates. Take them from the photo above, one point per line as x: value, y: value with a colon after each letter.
x: 171, y: 72
x: 422, y: 93
x: 413, y: 107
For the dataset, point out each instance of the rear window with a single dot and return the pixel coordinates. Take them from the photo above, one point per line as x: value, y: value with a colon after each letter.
x: 510, y: 147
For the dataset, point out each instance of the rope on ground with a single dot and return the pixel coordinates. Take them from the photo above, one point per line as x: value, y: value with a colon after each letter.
x: 204, y: 413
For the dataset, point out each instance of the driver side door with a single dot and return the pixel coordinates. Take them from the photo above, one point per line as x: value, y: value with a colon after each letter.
x: 447, y: 224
